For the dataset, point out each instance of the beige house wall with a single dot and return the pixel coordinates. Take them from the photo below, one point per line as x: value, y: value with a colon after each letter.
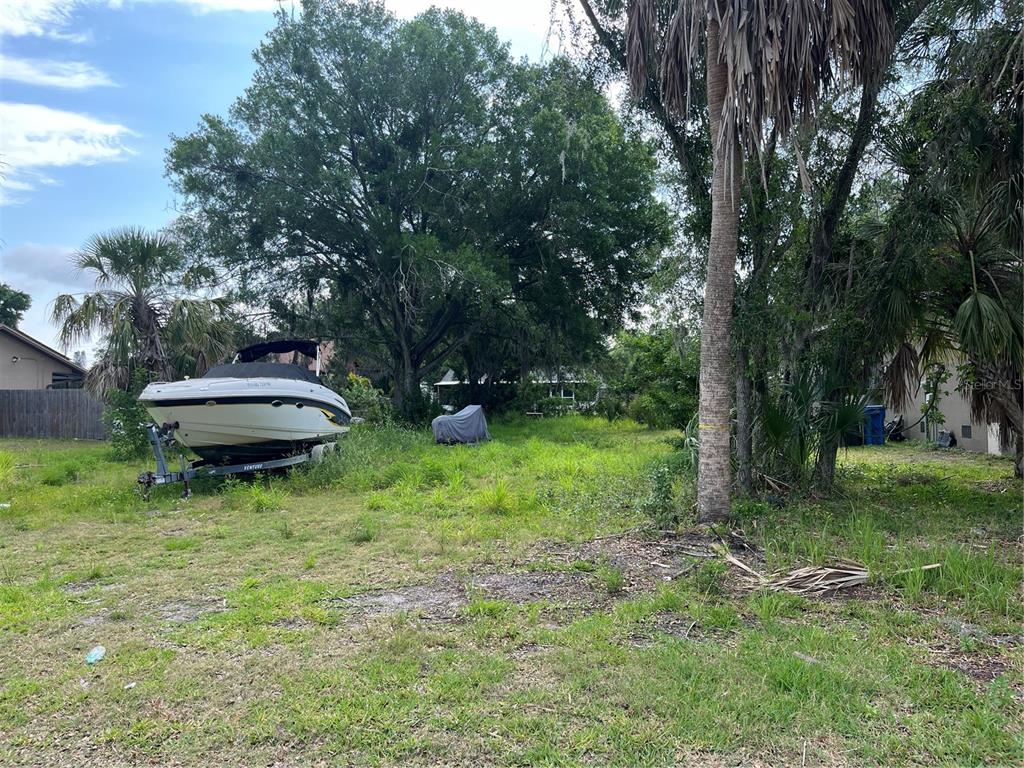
x: 33, y: 370
x: 956, y: 411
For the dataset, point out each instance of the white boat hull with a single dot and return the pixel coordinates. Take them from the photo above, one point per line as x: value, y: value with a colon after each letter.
x: 238, y: 420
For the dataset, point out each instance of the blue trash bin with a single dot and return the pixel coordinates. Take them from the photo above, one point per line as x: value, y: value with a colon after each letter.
x: 874, y: 425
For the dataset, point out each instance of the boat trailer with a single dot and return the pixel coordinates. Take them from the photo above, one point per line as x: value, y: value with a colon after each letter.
x: 163, y: 437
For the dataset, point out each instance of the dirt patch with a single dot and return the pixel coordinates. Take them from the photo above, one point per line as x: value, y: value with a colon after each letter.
x: 446, y: 597
x: 441, y: 600
x: 93, y: 620
x: 646, y: 560
x: 674, y: 625
x: 528, y: 650
x: 678, y: 627
x: 81, y: 587
x: 979, y: 666
x: 964, y: 629
x: 564, y: 588
x: 184, y: 611
x: 1000, y: 486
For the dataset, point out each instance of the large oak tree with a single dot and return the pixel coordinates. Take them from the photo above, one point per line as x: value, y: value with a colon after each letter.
x: 422, y: 179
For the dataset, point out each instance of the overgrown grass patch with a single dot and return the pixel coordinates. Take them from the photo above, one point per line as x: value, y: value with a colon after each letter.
x: 233, y: 632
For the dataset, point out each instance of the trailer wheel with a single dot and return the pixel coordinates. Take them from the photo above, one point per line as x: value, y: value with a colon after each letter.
x: 317, y: 454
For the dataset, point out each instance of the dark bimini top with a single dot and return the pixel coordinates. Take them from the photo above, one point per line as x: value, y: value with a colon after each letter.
x: 261, y: 371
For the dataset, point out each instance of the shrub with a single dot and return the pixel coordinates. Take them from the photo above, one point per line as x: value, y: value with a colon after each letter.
x: 660, y: 503
x: 418, y: 409
x: 655, y: 374
x: 608, y: 406
x: 671, y: 482
x: 364, y: 399
x: 126, y: 420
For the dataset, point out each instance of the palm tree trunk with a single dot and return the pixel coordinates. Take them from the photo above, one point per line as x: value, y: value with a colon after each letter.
x: 825, y: 464
x: 714, y: 476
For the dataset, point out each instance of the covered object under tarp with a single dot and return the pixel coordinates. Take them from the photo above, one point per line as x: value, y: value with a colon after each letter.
x: 467, y: 426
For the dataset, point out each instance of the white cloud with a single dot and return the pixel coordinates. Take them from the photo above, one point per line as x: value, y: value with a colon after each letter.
x: 527, y: 25
x: 210, y: 6
x: 56, y: 74
x: 34, y: 265
x: 48, y: 17
x: 43, y: 272
x: 34, y: 137
x: 22, y: 18
x: 33, y: 17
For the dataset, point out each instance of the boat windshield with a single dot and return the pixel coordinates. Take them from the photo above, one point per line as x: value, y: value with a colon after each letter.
x: 261, y: 371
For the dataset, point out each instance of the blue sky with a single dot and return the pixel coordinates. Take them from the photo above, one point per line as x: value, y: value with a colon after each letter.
x: 90, y: 91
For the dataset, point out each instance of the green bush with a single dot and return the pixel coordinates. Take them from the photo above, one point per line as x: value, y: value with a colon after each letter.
x: 536, y: 397
x: 660, y: 502
x: 653, y: 374
x: 364, y: 399
x: 126, y: 420
x: 608, y: 406
x: 670, y: 481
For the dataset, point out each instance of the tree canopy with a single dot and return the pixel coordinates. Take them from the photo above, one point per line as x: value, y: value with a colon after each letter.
x: 13, y: 305
x: 427, y: 186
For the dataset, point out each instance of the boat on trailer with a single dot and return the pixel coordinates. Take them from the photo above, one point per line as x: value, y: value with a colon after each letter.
x: 245, y: 416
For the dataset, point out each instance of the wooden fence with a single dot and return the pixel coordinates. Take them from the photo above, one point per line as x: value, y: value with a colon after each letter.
x: 60, y: 413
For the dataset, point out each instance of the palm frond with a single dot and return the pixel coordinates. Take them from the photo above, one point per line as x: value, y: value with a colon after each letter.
x: 984, y: 327
x: 80, y: 318
x: 780, y: 56
x: 641, y: 28
x: 902, y: 377
x: 107, y: 374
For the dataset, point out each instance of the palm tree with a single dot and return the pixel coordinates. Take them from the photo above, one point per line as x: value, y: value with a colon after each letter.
x: 767, y: 63
x: 138, y: 307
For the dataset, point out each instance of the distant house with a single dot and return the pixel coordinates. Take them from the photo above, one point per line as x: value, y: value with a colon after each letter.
x: 955, y: 408
x: 571, y: 387
x: 26, y: 363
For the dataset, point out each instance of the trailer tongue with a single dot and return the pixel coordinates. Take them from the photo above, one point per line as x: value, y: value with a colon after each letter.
x: 163, y: 437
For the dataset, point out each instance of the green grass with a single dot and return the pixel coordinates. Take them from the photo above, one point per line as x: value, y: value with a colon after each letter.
x: 231, y: 636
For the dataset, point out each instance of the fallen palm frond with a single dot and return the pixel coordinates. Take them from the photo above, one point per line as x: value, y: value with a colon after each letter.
x: 816, y: 580
x: 812, y: 580
x: 743, y: 566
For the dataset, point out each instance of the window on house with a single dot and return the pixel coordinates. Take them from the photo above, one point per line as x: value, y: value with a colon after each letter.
x: 965, y: 431
x: 922, y: 425
x: 66, y: 380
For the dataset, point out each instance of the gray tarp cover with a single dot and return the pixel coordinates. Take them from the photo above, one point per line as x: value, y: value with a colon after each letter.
x: 467, y: 426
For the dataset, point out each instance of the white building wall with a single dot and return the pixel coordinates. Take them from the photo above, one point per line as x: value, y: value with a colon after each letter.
x: 956, y: 411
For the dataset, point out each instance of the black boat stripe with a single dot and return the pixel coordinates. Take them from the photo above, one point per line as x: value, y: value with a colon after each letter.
x: 248, y: 400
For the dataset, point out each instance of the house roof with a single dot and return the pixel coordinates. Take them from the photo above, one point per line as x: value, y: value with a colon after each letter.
x: 40, y: 347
